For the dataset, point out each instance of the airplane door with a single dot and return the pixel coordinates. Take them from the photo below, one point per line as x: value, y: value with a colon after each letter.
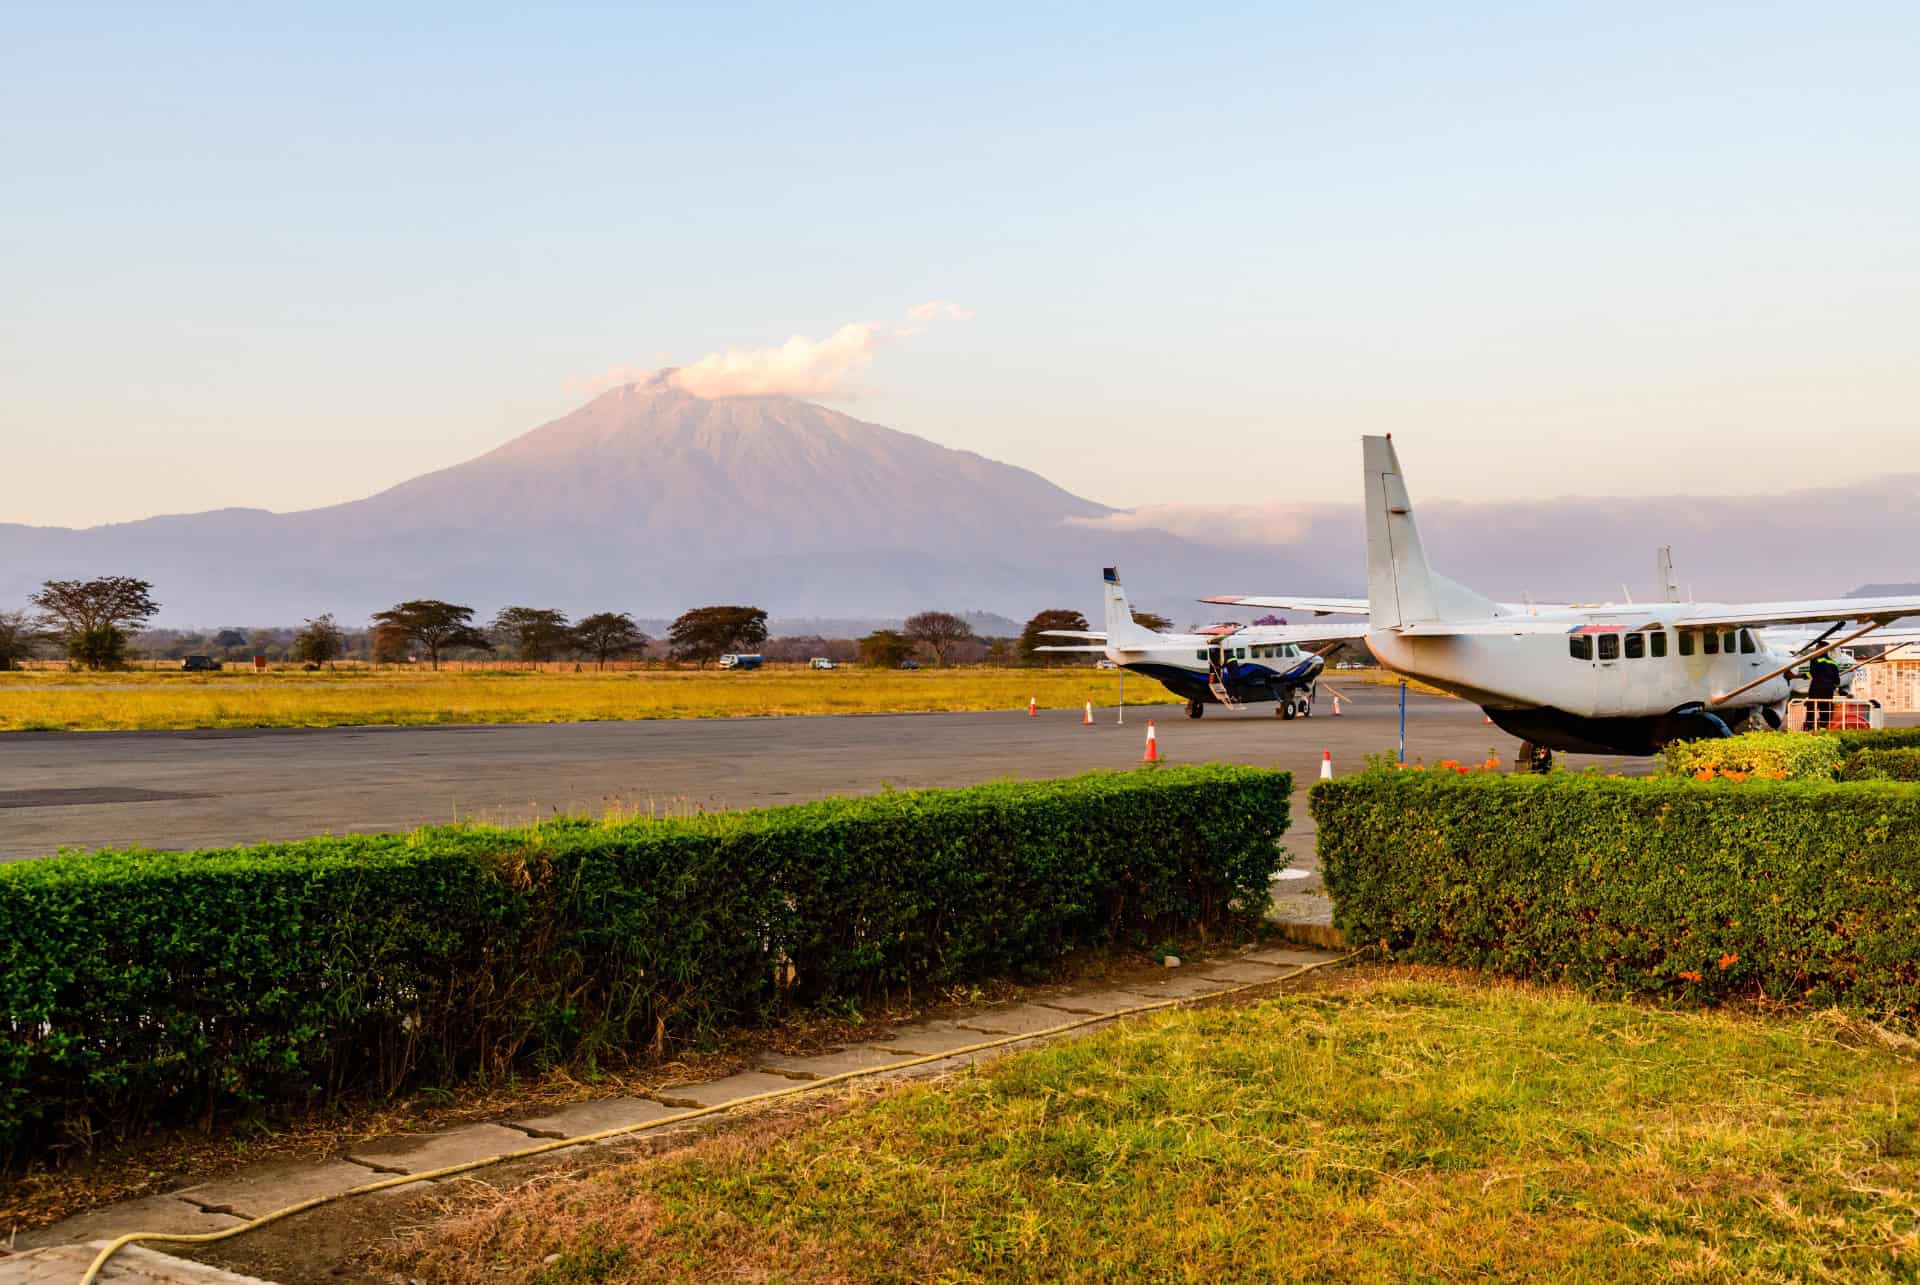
x: 1216, y: 659
x: 1610, y: 694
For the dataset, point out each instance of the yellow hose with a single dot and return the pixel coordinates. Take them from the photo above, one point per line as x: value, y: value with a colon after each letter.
x: 692, y: 1113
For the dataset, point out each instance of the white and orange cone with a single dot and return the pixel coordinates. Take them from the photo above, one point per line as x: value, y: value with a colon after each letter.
x: 1336, y: 704
x: 1033, y: 707
x: 1088, y: 720
x: 1326, y: 765
x: 1153, y: 746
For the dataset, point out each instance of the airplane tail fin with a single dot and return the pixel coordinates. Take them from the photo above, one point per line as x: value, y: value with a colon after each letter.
x: 1401, y: 588
x: 1122, y: 631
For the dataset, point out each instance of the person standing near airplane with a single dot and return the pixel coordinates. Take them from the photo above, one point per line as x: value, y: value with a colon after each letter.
x: 1823, y: 684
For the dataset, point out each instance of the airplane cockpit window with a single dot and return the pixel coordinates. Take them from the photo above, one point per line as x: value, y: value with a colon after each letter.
x: 1580, y: 647
x: 1636, y: 646
x: 1201, y: 654
x: 1609, y: 646
x: 1686, y: 642
x: 1658, y: 641
x: 1711, y: 643
x: 1747, y: 647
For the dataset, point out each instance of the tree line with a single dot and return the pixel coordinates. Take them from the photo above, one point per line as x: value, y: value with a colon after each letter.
x: 95, y: 622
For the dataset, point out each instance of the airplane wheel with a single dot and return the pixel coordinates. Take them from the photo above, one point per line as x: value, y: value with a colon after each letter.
x: 1286, y: 709
x: 1195, y: 709
x: 1306, y: 707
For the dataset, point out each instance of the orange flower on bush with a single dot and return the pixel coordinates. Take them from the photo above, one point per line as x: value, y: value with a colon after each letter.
x: 1704, y: 774
x: 1732, y: 775
x: 1728, y: 961
x: 1689, y: 975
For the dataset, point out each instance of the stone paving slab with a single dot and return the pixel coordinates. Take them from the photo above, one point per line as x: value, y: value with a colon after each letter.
x: 1092, y: 1003
x: 1238, y: 974
x: 826, y: 1064
x: 595, y: 1117
x: 1288, y: 957
x: 253, y: 1192
x: 134, y: 1265
x: 1021, y: 1019
x: 1177, y: 984
x: 731, y: 1089
x: 421, y: 1152
x: 932, y: 1037
x: 151, y: 1213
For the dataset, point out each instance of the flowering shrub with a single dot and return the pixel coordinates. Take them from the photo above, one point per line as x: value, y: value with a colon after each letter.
x: 1776, y: 756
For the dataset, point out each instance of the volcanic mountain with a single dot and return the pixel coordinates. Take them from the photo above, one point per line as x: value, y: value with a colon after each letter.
x: 649, y: 499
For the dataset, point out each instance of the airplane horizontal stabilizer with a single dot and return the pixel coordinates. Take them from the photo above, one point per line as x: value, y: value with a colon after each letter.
x: 1092, y: 635
x: 1097, y: 647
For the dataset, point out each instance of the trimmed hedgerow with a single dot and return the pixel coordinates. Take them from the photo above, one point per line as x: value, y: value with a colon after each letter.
x: 1796, y: 891
x: 1791, y: 756
x: 1884, y: 738
x: 138, y: 987
x: 1882, y: 765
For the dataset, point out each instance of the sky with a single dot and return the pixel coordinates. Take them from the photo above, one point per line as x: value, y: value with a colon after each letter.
x: 282, y: 256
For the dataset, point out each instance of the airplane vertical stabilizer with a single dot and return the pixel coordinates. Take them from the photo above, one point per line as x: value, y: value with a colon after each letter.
x: 1401, y: 588
x: 1122, y: 630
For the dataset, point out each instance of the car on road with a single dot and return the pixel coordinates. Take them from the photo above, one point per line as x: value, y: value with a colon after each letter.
x: 742, y: 661
x: 821, y: 662
x: 200, y: 664
x: 1104, y: 663
x: 909, y: 664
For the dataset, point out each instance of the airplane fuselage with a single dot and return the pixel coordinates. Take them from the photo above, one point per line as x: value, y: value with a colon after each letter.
x: 1600, y: 687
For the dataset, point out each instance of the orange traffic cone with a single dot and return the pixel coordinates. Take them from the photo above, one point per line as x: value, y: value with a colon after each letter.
x: 1326, y: 765
x: 1336, y: 704
x: 1088, y: 720
x: 1153, y: 746
x: 1033, y: 707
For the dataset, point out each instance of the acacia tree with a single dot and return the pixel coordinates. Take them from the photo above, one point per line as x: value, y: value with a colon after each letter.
x: 939, y: 631
x: 885, y: 648
x: 320, y: 643
x: 607, y: 634
x: 19, y: 638
x: 433, y: 624
x: 707, y: 633
x: 94, y: 617
x: 1033, y: 637
x: 536, y: 632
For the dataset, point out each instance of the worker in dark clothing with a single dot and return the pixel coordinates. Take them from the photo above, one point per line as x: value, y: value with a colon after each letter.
x: 1823, y: 684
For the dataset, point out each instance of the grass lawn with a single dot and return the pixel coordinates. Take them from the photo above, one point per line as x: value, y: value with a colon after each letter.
x: 1398, y: 1126
x: 148, y: 699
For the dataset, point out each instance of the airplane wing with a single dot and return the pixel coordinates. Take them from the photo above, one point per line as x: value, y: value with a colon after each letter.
x: 1318, y: 606
x: 1788, y: 613
x: 1496, y: 626
x: 1302, y: 635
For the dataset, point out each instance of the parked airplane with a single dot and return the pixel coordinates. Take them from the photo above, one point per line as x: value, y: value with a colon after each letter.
x: 1228, y: 665
x: 1610, y: 679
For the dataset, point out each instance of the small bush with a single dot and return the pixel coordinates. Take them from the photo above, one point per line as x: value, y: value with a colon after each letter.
x: 1779, y: 756
x: 147, y: 986
x: 1800, y: 892
x: 1882, y: 765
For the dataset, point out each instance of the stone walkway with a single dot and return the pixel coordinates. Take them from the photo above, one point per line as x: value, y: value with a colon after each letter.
x: 60, y: 1253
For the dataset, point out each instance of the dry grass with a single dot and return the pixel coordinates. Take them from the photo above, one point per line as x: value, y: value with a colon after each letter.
x: 1403, y: 1127
x: 143, y: 700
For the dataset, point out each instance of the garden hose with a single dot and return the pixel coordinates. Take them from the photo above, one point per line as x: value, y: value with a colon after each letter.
x: 692, y: 1113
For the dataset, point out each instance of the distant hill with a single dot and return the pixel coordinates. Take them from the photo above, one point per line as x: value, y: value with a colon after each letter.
x: 650, y: 500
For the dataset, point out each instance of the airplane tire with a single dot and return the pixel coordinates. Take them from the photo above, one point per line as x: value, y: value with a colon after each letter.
x: 1195, y: 709
x: 1286, y: 709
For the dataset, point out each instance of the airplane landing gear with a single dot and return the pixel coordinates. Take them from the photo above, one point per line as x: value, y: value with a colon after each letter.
x: 1537, y: 759
x: 1195, y: 709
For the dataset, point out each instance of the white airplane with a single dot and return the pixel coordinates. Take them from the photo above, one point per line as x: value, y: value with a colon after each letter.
x: 1230, y: 665
x: 1608, y: 679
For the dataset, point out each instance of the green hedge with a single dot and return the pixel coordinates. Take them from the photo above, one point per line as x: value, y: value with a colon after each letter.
x: 1801, y: 892
x: 138, y: 987
x: 1886, y: 738
x: 1882, y: 765
x: 1792, y: 756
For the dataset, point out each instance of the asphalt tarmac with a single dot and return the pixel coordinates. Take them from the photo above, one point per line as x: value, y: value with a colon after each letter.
x: 214, y: 788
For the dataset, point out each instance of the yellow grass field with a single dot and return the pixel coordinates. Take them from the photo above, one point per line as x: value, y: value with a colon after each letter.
x: 148, y: 699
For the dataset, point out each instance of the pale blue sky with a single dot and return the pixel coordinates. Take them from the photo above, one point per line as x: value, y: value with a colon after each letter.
x: 282, y: 257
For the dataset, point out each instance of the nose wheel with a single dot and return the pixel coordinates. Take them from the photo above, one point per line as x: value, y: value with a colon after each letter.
x: 1195, y: 709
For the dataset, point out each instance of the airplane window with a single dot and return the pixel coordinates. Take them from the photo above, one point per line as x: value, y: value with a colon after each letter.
x: 1609, y: 646
x: 1659, y: 640
x: 1580, y: 647
x: 1636, y: 646
x: 1728, y: 642
x: 1686, y: 642
x: 1746, y: 642
x: 1201, y: 654
x: 1711, y: 643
